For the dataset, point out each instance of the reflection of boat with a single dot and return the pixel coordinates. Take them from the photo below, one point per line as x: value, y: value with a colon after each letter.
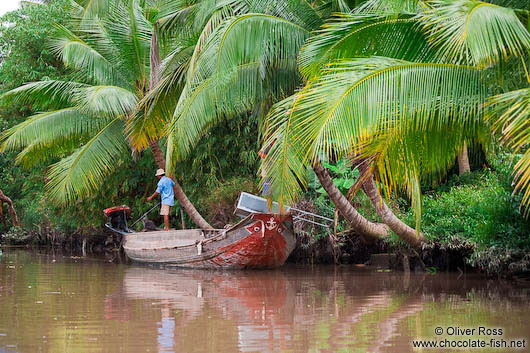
x: 187, y: 290
x: 261, y: 240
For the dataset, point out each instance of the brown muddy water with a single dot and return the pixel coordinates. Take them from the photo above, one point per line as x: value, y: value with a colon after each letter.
x: 54, y: 303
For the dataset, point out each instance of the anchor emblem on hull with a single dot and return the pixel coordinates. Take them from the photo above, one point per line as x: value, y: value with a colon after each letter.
x: 271, y: 224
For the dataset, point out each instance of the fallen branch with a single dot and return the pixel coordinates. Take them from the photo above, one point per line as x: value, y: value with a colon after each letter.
x: 10, y: 208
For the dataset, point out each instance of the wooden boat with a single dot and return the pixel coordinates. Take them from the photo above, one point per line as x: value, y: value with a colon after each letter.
x: 260, y: 240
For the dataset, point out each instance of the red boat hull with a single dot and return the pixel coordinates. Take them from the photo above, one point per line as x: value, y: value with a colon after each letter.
x: 259, y: 241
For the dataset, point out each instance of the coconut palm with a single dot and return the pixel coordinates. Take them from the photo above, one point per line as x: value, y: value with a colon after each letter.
x: 399, y: 90
x: 245, y: 60
x: 110, y: 52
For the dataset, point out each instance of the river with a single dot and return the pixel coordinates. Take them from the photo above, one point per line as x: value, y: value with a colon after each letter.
x: 55, y: 303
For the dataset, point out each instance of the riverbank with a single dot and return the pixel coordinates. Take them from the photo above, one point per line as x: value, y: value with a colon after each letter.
x: 471, y: 222
x: 382, y: 255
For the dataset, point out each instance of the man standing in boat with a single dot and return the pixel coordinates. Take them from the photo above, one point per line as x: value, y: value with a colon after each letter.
x: 165, y: 190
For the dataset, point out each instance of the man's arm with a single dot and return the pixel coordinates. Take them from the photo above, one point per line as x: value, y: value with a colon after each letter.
x: 153, y: 196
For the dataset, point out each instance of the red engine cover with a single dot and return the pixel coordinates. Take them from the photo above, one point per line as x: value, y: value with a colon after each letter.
x: 110, y: 210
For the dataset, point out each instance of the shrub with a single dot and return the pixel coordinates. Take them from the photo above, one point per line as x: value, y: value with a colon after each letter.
x: 220, y: 201
x: 479, y: 207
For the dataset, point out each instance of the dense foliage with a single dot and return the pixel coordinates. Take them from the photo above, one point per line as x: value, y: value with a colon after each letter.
x: 394, y: 84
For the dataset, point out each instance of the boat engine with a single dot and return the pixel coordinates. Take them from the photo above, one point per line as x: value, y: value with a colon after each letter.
x: 118, y: 216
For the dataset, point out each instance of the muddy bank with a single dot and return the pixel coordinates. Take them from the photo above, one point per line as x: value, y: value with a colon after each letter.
x: 346, y: 250
x: 91, y: 241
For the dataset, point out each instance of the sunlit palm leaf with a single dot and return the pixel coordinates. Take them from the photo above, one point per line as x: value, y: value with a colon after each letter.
x: 249, y: 58
x: 249, y: 38
x: 90, y: 9
x: 131, y: 32
x: 361, y: 35
x: 404, y: 157
x: 476, y: 32
x: 110, y: 101
x: 81, y: 173
x: 39, y: 152
x: 353, y: 101
x: 284, y: 165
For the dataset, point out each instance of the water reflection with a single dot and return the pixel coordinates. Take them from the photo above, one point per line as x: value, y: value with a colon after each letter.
x: 85, y: 305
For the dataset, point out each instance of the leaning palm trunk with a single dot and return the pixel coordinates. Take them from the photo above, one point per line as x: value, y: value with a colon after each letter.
x: 10, y: 207
x: 463, y: 161
x: 369, y: 230
x: 155, y: 147
x: 402, y: 230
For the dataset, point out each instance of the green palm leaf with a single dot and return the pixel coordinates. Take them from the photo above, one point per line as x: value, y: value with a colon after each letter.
x: 248, y: 59
x: 477, y: 32
x: 81, y: 173
x: 284, y: 166
x: 110, y: 101
x: 78, y: 55
x: 151, y: 118
x: 355, y: 101
x: 131, y: 33
x: 510, y: 115
x: 43, y: 93
x: 389, y: 6
x: 361, y: 35
x: 50, y: 127
x: 40, y: 151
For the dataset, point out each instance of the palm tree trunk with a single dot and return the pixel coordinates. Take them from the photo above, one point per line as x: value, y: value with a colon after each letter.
x: 10, y: 208
x: 3, y: 216
x: 369, y: 230
x: 402, y: 230
x: 190, y: 209
x: 463, y: 161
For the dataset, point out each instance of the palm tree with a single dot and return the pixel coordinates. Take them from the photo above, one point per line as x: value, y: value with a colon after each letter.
x: 402, y: 90
x: 244, y: 61
x: 110, y: 52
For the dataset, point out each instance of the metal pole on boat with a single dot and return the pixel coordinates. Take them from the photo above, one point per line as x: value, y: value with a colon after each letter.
x: 145, y: 214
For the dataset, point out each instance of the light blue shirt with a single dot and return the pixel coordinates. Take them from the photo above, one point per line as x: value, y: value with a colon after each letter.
x: 165, y: 189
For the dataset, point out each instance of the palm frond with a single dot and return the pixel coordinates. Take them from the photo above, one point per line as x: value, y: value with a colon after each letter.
x: 389, y: 6
x: 131, y: 33
x: 88, y: 10
x: 355, y: 101
x: 248, y: 58
x: 284, y: 165
x: 43, y: 93
x: 50, y: 127
x: 362, y: 35
x: 295, y: 11
x: 40, y: 152
x: 153, y: 113
x: 78, y: 55
x: 510, y: 115
x: 405, y: 158
x: 249, y: 38
x: 221, y: 96
x: 474, y: 32
x: 108, y: 101
x: 80, y: 174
